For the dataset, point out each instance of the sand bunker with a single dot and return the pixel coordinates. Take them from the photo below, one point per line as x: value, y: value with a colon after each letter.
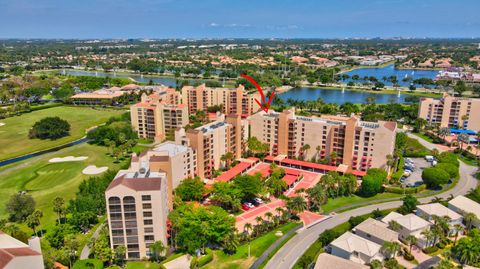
x: 68, y: 159
x: 94, y: 170
x: 1, y: 123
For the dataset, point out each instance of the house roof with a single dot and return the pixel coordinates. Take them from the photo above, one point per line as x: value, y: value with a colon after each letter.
x: 440, y: 210
x: 11, y: 248
x: 410, y: 222
x: 351, y: 242
x: 326, y: 260
x: 233, y: 172
x: 378, y: 229
x: 463, y: 203
x: 137, y: 184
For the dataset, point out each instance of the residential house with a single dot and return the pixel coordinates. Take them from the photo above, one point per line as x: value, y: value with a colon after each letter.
x: 355, y: 248
x: 428, y: 212
x: 462, y: 205
x: 410, y: 224
x: 375, y: 231
x: 326, y: 260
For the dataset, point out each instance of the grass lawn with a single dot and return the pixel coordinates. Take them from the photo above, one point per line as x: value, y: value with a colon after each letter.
x: 142, y: 265
x: 240, y: 258
x: 336, y: 203
x: 424, y: 137
x: 45, y: 181
x: 14, y: 134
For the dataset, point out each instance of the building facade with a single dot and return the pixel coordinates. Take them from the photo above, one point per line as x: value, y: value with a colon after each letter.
x: 451, y: 112
x: 153, y: 120
x: 211, y: 141
x: 137, y: 210
x: 343, y: 140
x: 232, y: 100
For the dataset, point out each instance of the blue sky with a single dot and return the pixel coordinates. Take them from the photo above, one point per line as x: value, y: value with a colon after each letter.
x: 241, y: 18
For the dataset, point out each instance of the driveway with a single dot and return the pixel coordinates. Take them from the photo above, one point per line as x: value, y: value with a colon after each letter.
x: 416, y: 176
x: 296, y: 246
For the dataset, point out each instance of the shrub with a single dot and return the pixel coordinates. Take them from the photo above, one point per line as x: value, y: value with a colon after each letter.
x: 435, y: 177
x: 429, y: 250
x: 448, y: 157
x: 50, y: 128
x: 88, y: 264
x: 413, y: 148
x: 408, y: 256
x: 372, y: 182
x: 440, y: 245
x: 208, y: 257
x: 193, y: 263
x: 399, y: 190
x: 450, y: 168
x: 354, y: 221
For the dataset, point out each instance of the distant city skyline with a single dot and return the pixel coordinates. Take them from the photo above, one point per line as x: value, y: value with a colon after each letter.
x: 240, y: 19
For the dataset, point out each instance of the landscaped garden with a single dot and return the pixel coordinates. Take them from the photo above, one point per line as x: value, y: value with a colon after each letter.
x: 14, y: 134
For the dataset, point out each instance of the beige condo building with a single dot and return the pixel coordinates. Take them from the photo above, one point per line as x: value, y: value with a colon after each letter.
x: 211, y: 141
x: 451, y: 112
x: 357, y: 144
x: 153, y: 120
x: 137, y: 210
x: 232, y: 100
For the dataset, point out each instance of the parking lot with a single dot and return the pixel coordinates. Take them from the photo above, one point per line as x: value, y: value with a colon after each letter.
x: 416, y: 176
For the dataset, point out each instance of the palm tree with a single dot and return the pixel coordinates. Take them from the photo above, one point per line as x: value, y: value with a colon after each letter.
x: 227, y: 158
x: 463, y: 138
x: 411, y: 240
x: 157, y: 249
x: 457, y: 228
x: 58, y: 207
x: 428, y: 234
x: 444, y: 132
x: 296, y: 205
x: 304, y: 149
x: 230, y: 243
x: 469, y: 219
x: 316, y: 196
x: 395, y: 226
x: 248, y: 228
x: 318, y: 148
x: 269, y: 216
x: 466, y: 251
x: 390, y: 249
x: 33, y: 220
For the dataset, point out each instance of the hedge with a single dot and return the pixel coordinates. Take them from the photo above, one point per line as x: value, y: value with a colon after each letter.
x: 203, y: 260
x: 397, y: 175
x: 399, y: 190
x: 429, y: 250
x: 40, y: 107
x: 450, y: 168
x: 88, y: 264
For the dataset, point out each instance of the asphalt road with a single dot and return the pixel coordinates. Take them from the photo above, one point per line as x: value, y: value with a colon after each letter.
x: 288, y: 255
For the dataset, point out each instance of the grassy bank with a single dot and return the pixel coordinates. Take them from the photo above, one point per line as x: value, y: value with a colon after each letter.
x: 14, y: 134
x: 384, y: 91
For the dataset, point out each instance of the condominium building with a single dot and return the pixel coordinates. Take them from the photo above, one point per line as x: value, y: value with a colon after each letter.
x: 163, y: 94
x: 232, y: 100
x: 451, y: 112
x: 137, y: 210
x: 154, y: 119
x: 213, y: 140
x: 345, y: 140
x: 176, y: 160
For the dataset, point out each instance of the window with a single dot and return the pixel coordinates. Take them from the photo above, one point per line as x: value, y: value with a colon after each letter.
x: 146, y: 198
x: 149, y: 238
x: 148, y: 222
x: 148, y: 230
x: 147, y: 214
x: 147, y: 206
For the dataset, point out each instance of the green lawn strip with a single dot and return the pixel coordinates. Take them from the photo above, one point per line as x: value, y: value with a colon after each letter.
x: 172, y: 257
x: 257, y: 247
x: 424, y: 137
x: 276, y: 249
x: 45, y: 181
x: 14, y: 134
x: 339, y: 202
x: 143, y: 265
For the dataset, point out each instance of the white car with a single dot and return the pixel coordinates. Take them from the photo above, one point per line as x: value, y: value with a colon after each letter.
x: 249, y: 205
x: 258, y: 200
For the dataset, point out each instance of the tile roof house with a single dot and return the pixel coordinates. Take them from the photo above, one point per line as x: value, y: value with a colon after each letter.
x: 462, y: 205
x: 375, y: 231
x: 15, y: 254
x: 436, y: 209
x: 355, y: 248
x: 410, y: 224
x: 326, y: 260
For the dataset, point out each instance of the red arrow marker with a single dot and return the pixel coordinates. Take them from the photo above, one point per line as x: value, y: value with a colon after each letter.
x: 263, y: 105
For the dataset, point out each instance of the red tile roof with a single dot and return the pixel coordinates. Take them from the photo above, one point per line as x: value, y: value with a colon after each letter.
x: 314, y: 165
x: 233, y: 172
x: 137, y: 184
x: 289, y: 179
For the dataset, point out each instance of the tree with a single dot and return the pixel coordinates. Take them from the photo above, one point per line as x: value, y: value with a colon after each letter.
x: 458, y: 228
x: 50, y: 128
x: 395, y: 226
x: 462, y: 139
x: 296, y: 205
x: 59, y: 207
x: 390, y: 249
x: 71, y: 247
x: 20, y: 206
x: 120, y: 251
x: 469, y: 218
x: 372, y: 182
x: 411, y: 240
x: 316, y: 196
x: 409, y: 204
x: 157, y: 249
x: 435, y: 177
x: 230, y: 243
x: 249, y: 185
x: 257, y: 147
x: 190, y: 189
x: 227, y: 158
x: 33, y: 220
x: 420, y: 123
x: 451, y: 169
x: 429, y: 236
x: 444, y: 132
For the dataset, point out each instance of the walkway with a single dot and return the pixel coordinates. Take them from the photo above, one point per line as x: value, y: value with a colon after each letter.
x: 181, y: 262
x: 287, y: 256
x: 86, y: 249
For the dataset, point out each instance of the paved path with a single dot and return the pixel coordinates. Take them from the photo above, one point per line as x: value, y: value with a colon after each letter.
x: 86, y: 248
x: 296, y: 246
x: 181, y: 262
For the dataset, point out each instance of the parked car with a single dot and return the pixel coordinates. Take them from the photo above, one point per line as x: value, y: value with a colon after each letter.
x: 409, y: 160
x: 407, y: 173
x: 258, y: 200
x: 250, y: 205
x: 245, y: 207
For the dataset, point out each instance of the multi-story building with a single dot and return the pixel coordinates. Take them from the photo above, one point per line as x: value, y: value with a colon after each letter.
x: 213, y: 140
x: 176, y: 160
x: 232, y: 100
x: 98, y: 97
x: 163, y: 94
x: 451, y: 112
x: 345, y: 140
x: 137, y: 209
x: 153, y: 119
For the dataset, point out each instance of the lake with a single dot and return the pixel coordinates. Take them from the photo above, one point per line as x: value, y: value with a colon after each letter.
x: 390, y: 70
x: 340, y: 96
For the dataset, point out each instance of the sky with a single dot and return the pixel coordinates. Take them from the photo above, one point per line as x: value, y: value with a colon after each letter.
x: 238, y: 19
